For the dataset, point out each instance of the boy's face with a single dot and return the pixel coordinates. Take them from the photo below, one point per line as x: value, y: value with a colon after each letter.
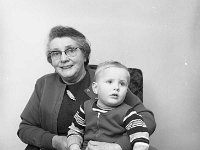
x: 111, y: 86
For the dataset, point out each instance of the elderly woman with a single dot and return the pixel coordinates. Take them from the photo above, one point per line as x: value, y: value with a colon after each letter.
x: 57, y: 96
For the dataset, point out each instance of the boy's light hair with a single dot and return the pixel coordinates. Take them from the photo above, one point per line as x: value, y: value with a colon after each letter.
x: 109, y: 64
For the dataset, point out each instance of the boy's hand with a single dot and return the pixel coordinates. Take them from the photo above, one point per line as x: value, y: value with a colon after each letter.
x: 74, y: 147
x: 140, y: 146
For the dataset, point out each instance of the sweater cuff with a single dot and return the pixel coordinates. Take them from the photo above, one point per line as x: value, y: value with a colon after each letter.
x: 124, y: 142
x: 47, y: 140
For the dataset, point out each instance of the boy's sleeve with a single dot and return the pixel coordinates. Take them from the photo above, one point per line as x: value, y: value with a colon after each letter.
x: 139, y: 107
x: 76, y: 132
x: 136, y: 128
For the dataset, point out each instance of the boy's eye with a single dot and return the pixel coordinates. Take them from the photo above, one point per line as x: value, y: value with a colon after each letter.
x: 109, y: 81
x: 123, y: 84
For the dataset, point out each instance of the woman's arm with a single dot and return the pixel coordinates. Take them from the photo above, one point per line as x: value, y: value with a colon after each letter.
x: 30, y: 131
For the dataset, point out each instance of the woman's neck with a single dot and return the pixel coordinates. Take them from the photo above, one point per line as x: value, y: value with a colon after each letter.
x: 75, y: 80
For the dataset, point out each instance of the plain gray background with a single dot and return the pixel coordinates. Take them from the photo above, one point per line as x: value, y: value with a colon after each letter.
x: 161, y: 37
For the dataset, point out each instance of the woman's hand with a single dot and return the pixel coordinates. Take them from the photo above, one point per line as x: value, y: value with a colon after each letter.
x: 94, y: 145
x: 59, y: 142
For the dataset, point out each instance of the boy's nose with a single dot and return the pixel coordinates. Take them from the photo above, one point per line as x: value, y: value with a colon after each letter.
x: 116, y: 87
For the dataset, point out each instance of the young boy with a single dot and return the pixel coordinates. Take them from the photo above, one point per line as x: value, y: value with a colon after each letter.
x: 107, y: 118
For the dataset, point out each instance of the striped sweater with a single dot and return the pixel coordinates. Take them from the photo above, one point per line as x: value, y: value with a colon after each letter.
x: 93, y: 123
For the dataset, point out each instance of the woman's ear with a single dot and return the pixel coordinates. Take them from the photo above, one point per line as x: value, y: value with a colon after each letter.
x: 49, y: 59
x: 94, y: 87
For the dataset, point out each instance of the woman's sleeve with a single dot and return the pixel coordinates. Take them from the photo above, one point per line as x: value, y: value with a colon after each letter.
x: 30, y: 131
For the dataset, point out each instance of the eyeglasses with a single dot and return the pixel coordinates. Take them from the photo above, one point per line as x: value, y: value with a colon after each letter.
x: 70, y: 52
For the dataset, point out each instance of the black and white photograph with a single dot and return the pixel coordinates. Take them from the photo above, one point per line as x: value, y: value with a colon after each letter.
x: 100, y: 74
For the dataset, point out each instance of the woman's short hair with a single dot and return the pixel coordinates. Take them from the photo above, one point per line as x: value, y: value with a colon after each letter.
x: 65, y: 31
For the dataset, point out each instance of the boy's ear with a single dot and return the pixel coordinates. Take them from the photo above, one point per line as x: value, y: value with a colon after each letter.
x: 94, y: 87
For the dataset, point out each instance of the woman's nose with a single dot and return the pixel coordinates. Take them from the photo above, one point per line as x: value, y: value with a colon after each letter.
x: 64, y: 57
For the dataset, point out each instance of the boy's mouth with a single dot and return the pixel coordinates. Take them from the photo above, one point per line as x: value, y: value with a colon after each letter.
x: 114, y: 95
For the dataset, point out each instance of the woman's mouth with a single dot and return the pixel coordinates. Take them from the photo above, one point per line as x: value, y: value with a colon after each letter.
x: 66, y: 67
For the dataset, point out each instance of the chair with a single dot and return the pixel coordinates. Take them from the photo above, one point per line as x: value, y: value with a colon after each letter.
x: 136, y: 85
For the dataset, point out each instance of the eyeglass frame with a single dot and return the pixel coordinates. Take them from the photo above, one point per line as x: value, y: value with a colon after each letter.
x: 66, y: 51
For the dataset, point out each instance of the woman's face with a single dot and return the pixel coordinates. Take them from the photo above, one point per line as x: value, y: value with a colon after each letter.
x: 70, y: 68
